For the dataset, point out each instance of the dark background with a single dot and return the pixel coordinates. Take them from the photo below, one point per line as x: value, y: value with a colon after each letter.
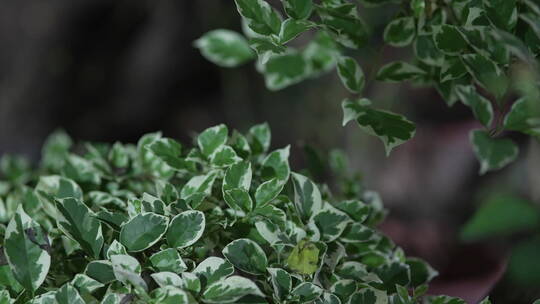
x: 114, y: 70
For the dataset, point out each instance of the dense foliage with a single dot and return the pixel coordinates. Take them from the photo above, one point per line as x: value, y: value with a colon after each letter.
x: 223, y: 222
x: 481, y: 52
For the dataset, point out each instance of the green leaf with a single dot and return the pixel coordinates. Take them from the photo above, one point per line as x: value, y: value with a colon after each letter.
x: 334, y: 254
x: 328, y: 298
x: 400, y: 32
x: 211, y: 139
x: 268, y: 191
x: 331, y: 223
x: 143, y: 231
x: 393, y: 274
x: 368, y: 296
x: 307, y: 292
x: 112, y: 298
x: 320, y: 54
x: 351, y: 270
x: 230, y: 290
x: 259, y: 137
x: 168, y: 260
x: 418, y: 7
x: 247, y: 256
x: 449, y: 39
x: 356, y: 233
x: 26, y: 245
x: 67, y: 294
x: 240, y: 144
x: 5, y: 298
x: 238, y: 176
x: 115, y: 248
x: 492, y: 153
x: 101, y: 271
x: 213, y: 269
x: 14, y: 168
x: 399, y: 71
x: 344, y: 24
x: 266, y: 47
x: 344, y: 289
x: 357, y: 210
x: 421, y: 272
x: 291, y: 28
x: 351, y: 74
x: 167, y: 192
x: 304, y: 258
x: 199, y: 184
x: 118, y: 155
x: 426, y: 51
x: 532, y: 6
x: 7, y: 278
x: 150, y: 203
x: 224, y: 156
x: 501, y: 215
x: 481, y: 107
x: 55, y: 150
x: 78, y: 222
x: 487, y: 74
x: 99, y: 198
x: 514, y: 45
x: 191, y: 282
x: 186, y: 228
x: 298, y: 9
x: 283, y: 70
x: 392, y: 129
x: 260, y: 16
x: 270, y: 232
x: 238, y: 199
x: 307, y: 197
x: 170, y: 295
x: 56, y: 187
x: 112, y: 219
x: 276, y: 165
x: 149, y: 161
x: 272, y: 213
x: 524, y: 117
x: 169, y: 150
x: 281, y: 282
x: 81, y: 170
x: 127, y: 270
x: 502, y: 13
x: 225, y: 48
x: 532, y: 21
x: 166, y: 278
x: 85, y: 284
x: 452, y: 68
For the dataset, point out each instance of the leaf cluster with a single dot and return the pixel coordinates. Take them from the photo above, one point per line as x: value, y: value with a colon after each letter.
x: 224, y: 221
x: 480, y: 52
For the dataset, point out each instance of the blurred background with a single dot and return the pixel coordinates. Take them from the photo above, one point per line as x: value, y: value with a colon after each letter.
x: 114, y: 70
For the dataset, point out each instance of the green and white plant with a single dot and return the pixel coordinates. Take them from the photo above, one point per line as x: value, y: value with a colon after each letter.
x: 480, y: 52
x: 225, y: 221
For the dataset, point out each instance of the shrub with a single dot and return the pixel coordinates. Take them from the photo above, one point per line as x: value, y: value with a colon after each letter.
x: 226, y: 221
x: 480, y: 52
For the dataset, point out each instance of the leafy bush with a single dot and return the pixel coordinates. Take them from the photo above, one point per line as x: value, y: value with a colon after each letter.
x: 223, y: 222
x: 482, y: 52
